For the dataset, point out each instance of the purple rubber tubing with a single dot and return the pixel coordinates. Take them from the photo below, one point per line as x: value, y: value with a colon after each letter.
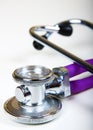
x: 79, y: 85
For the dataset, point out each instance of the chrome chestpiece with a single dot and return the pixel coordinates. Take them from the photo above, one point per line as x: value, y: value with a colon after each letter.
x: 37, y: 99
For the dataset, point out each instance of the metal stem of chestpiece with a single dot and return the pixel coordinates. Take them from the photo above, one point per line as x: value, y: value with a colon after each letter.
x: 37, y: 99
x: 33, y: 78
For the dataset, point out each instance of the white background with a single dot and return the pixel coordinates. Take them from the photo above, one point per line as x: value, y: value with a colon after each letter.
x: 16, y: 50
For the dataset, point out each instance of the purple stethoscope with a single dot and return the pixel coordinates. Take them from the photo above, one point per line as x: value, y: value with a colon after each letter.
x: 38, y: 97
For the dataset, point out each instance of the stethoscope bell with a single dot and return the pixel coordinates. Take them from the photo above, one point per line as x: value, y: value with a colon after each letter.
x: 31, y: 104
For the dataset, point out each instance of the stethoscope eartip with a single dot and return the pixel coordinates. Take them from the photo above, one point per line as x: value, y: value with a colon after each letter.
x: 65, y: 30
x: 37, y: 45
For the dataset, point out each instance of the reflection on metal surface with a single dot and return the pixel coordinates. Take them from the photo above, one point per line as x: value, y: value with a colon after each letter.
x: 37, y: 99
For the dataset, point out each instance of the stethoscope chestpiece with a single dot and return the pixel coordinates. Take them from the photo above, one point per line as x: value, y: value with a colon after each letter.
x: 35, y: 100
x: 38, y: 98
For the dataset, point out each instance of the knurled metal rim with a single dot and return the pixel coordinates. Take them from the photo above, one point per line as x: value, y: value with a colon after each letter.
x: 26, y: 115
x: 32, y: 74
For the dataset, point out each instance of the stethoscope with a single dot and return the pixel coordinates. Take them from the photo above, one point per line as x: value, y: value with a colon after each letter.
x: 38, y: 97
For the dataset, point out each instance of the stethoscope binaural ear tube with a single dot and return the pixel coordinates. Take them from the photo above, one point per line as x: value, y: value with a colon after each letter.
x: 65, y: 29
x: 43, y: 40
